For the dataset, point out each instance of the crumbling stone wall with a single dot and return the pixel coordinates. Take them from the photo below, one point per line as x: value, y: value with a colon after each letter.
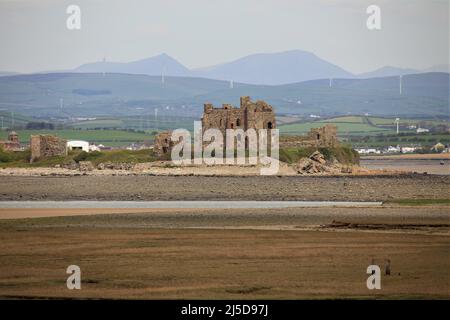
x: 163, y: 143
x: 324, y: 137
x: 317, y: 137
x: 43, y: 146
x: 12, y: 144
x: 250, y: 115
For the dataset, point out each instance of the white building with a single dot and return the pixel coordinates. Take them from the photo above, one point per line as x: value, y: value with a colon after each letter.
x: 368, y: 151
x: 392, y: 149
x: 409, y: 149
x: 78, y: 145
x: 422, y: 130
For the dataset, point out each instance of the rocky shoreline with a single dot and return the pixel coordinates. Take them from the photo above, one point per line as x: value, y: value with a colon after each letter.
x: 316, y: 164
x: 225, y: 171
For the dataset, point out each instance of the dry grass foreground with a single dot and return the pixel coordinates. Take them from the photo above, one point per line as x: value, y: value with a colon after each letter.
x: 154, y: 263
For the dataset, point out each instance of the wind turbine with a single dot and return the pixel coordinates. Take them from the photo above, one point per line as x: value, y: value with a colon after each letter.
x: 163, y: 80
x: 61, y: 104
x: 401, y: 84
x: 104, y: 66
x: 396, y: 121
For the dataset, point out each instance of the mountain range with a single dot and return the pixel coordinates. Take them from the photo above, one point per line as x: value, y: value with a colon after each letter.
x: 264, y: 68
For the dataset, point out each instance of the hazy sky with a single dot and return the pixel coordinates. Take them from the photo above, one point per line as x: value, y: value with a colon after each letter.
x: 34, y: 36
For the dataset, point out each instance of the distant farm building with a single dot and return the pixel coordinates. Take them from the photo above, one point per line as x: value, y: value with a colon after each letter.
x: 78, y: 145
x: 368, y: 151
x: 409, y: 149
x: 422, y: 130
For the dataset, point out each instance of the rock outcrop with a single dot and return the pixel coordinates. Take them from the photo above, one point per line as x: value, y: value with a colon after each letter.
x: 115, y: 166
x: 86, y: 166
x: 317, y: 164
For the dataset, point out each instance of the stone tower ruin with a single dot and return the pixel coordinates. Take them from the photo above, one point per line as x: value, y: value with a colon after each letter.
x: 43, y: 146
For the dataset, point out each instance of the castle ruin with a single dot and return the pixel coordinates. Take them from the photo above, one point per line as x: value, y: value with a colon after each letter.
x: 251, y: 115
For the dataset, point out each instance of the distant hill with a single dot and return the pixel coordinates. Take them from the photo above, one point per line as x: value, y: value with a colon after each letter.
x: 157, y: 65
x: 438, y: 68
x: 7, y: 73
x: 388, y: 71
x: 97, y: 94
x: 275, y: 68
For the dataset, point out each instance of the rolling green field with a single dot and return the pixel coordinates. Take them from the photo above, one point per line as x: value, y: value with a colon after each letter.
x: 344, y: 128
x: 385, y: 121
x: 146, y: 123
x: 347, y: 119
x: 391, y: 121
x: 360, y: 125
x: 402, y: 140
x: 106, y: 137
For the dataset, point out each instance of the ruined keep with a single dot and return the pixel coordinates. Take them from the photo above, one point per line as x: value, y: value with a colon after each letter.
x: 12, y: 144
x: 163, y: 144
x: 44, y: 145
x: 250, y: 115
x: 325, y: 136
